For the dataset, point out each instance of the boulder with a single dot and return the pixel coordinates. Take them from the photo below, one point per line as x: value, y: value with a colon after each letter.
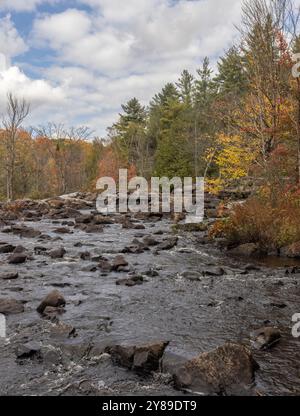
x: 291, y: 251
x: 84, y: 219
x: 168, y: 244
x: 105, y: 266
x: 57, y: 253
x: 11, y: 306
x: 85, y: 255
x: 250, y: 249
x: 150, y: 241
x: 9, y: 276
x: 213, y: 271
x: 131, y: 281
x: 54, y: 299
x: 28, y: 350
x: 228, y: 370
x: 6, y: 248
x: 63, y: 330
x: 119, y: 263
x: 56, y: 203
x: 141, y: 358
x: 17, y: 258
x: 62, y: 230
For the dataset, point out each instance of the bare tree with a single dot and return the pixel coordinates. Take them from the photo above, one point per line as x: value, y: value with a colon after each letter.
x: 63, y: 143
x: 16, y: 112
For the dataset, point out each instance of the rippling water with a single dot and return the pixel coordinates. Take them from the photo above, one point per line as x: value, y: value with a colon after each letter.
x: 194, y: 315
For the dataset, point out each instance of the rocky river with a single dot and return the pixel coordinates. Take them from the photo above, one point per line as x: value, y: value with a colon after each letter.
x: 124, y: 305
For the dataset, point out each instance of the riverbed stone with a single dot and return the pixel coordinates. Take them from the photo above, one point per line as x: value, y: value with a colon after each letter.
x: 54, y: 299
x: 17, y: 258
x: 119, y: 263
x: 248, y: 250
x: 142, y: 358
x: 57, y: 253
x: 11, y: 306
x: 29, y: 350
x: 9, y: 276
x: 229, y: 369
x: 265, y: 338
x: 6, y: 248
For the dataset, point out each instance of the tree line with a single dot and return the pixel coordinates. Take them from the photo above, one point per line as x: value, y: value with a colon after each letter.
x: 241, y: 120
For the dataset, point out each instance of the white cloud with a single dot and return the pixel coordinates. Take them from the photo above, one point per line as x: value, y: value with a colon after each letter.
x: 104, y: 55
x: 11, y: 44
x: 62, y: 29
x: 139, y: 35
x: 22, y: 5
x: 37, y: 92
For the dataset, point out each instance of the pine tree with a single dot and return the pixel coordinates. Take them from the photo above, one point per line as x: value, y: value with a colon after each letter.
x: 185, y: 86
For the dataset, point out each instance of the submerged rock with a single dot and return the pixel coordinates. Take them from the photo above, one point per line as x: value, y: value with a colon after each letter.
x: 265, y: 338
x: 11, y: 306
x: 131, y: 281
x: 229, y: 369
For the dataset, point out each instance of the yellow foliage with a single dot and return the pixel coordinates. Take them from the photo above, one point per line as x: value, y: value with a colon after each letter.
x: 233, y: 159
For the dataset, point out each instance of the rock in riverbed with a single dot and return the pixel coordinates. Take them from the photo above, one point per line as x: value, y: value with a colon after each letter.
x: 17, y: 258
x: 28, y: 350
x: 229, y: 369
x: 265, y: 338
x: 57, y: 253
x: 11, y: 306
x: 54, y: 299
x: 141, y: 358
x: 119, y: 264
x: 6, y: 248
x: 9, y: 276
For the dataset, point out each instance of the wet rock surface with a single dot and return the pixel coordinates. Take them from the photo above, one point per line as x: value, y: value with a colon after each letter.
x: 167, y: 288
x: 230, y: 370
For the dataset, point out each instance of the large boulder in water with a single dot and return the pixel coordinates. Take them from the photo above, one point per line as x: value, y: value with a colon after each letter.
x: 229, y: 369
x: 55, y: 299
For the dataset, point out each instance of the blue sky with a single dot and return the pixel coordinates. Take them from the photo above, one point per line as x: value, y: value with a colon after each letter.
x: 77, y: 61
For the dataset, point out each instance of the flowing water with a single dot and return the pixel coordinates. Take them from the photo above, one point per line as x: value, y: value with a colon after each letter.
x: 196, y: 313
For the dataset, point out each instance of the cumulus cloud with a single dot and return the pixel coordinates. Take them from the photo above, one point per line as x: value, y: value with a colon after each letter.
x: 23, y: 5
x: 139, y: 35
x: 11, y: 44
x: 104, y: 54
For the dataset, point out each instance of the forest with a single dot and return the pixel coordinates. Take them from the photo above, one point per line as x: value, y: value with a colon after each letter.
x: 236, y: 124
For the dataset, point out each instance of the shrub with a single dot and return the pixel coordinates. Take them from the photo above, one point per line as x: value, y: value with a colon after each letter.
x: 270, y: 223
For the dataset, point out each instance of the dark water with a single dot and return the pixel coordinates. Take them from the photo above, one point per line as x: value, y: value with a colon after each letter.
x: 194, y: 315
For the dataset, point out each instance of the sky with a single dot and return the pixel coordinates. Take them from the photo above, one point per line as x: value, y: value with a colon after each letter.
x: 77, y: 61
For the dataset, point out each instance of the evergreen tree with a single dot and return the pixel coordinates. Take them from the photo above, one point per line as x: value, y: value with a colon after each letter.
x: 185, y: 86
